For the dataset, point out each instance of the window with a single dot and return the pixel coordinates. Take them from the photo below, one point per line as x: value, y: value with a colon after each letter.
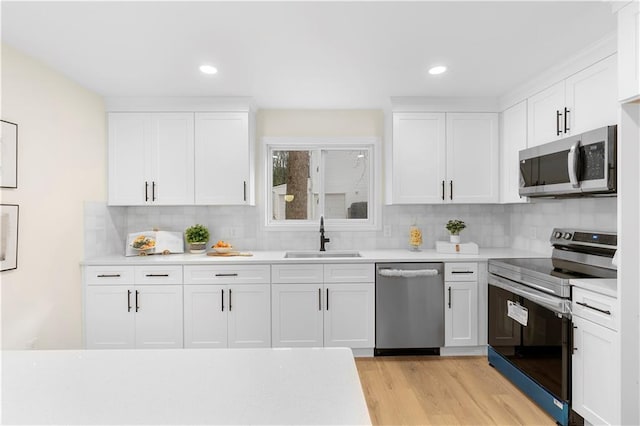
x: 333, y: 178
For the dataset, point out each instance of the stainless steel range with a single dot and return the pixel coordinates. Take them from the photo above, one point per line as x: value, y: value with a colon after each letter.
x: 530, y: 330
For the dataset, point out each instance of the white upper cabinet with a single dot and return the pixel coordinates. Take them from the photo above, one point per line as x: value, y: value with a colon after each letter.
x: 513, y: 139
x: 445, y: 158
x: 472, y: 158
x: 629, y: 52
x: 150, y: 159
x: 546, y: 112
x: 584, y: 101
x: 222, y: 158
x: 591, y: 97
x: 419, y: 157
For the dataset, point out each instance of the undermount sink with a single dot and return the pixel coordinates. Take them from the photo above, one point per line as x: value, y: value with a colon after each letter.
x: 320, y: 254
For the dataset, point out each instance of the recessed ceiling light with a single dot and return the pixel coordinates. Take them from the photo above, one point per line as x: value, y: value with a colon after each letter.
x: 437, y: 70
x: 208, y: 69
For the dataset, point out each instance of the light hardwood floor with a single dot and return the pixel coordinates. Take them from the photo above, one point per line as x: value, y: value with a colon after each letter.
x: 443, y: 391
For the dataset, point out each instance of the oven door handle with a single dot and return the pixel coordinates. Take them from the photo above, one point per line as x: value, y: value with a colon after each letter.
x: 555, y: 304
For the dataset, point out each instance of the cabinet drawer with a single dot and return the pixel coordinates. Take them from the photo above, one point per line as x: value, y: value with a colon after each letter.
x: 220, y: 274
x: 595, y: 307
x: 349, y: 273
x: 101, y: 275
x: 461, y: 271
x: 170, y: 274
x: 297, y: 274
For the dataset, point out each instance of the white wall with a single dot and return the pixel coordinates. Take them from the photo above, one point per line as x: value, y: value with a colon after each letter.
x: 61, y: 163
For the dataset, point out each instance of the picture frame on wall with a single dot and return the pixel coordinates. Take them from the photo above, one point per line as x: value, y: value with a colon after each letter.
x: 8, y: 237
x: 8, y: 154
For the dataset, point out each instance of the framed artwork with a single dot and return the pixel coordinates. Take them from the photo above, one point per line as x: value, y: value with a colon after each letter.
x: 8, y: 236
x: 8, y: 154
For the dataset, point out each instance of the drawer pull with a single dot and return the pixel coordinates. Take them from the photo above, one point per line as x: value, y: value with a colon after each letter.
x: 462, y: 272
x: 594, y: 308
x: 109, y: 276
x: 227, y: 275
x: 157, y: 275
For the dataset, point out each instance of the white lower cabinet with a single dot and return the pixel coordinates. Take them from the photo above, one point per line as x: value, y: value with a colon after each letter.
x: 349, y: 315
x: 461, y: 304
x: 226, y: 308
x: 595, y: 360
x: 147, y: 316
x: 133, y: 307
x: 316, y: 311
x: 297, y: 315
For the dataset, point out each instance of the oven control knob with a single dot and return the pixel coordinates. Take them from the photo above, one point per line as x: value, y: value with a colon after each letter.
x: 557, y: 235
x: 567, y: 236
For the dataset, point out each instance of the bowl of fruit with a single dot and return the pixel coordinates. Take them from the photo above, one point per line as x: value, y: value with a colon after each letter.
x: 222, y: 247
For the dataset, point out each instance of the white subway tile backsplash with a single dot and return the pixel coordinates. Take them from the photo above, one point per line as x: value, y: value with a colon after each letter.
x: 523, y: 226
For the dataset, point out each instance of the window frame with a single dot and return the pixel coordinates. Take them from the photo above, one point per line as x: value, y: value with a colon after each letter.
x: 371, y: 144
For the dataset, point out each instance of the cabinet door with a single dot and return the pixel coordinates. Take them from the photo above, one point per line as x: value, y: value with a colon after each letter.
x: 109, y: 317
x: 595, y: 373
x: 159, y: 316
x: 461, y: 314
x: 418, y: 158
x: 297, y: 318
x: 544, y: 124
x: 249, y: 316
x: 514, y: 139
x: 629, y: 52
x: 172, y: 159
x: 222, y: 158
x: 349, y: 315
x: 130, y: 171
x: 591, y: 97
x: 472, y: 158
x: 205, y: 316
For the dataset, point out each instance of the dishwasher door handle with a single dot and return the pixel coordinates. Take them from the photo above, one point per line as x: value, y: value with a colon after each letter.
x: 407, y: 273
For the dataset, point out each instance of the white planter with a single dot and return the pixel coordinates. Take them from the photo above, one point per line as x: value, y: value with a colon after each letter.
x: 454, y: 239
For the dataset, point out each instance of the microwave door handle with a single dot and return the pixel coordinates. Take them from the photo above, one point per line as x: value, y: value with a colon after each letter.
x: 573, y: 160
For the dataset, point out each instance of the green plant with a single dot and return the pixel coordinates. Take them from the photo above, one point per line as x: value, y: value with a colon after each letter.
x: 454, y: 226
x: 197, y: 234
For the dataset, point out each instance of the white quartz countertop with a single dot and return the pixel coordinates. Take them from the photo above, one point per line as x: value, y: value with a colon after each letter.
x: 183, y: 386
x: 272, y: 257
x: 606, y: 286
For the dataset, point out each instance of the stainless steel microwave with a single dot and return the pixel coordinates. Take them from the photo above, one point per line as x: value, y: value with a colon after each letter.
x: 579, y: 165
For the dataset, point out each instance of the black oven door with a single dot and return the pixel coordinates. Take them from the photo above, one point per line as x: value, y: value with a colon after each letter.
x: 538, y: 342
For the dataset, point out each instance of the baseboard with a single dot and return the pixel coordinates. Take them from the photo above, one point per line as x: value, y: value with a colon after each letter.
x: 464, y: 351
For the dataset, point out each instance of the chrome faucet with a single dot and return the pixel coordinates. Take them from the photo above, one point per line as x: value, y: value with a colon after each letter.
x: 323, y: 240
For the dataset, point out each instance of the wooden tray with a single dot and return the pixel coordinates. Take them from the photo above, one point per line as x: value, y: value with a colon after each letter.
x: 229, y: 254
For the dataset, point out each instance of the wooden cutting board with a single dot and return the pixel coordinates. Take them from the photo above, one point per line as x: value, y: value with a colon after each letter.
x: 231, y: 253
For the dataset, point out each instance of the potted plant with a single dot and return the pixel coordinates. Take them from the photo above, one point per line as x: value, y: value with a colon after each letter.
x: 197, y: 236
x: 454, y: 226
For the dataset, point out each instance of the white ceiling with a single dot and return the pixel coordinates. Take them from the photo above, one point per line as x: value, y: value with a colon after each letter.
x: 303, y: 54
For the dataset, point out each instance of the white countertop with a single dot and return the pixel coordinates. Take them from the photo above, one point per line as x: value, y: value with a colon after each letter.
x: 272, y: 257
x: 182, y: 386
x: 606, y: 286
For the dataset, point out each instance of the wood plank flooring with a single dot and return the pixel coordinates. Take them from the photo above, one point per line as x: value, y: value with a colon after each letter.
x: 443, y: 391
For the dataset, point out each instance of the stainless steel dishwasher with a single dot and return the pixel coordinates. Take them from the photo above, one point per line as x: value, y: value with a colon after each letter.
x: 409, y: 308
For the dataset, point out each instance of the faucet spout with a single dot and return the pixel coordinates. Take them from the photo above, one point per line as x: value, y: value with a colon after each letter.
x: 323, y: 240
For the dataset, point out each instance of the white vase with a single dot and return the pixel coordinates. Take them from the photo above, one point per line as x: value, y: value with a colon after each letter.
x: 454, y: 239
